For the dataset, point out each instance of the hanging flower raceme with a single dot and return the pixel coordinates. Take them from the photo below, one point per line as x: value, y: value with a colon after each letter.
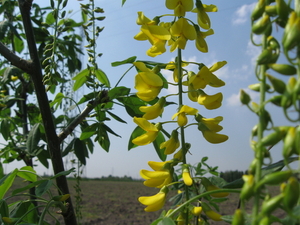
x: 147, y: 83
x: 157, y: 35
x: 209, y: 128
x: 202, y: 17
x: 161, y: 176
x: 172, y: 144
x: 181, y: 114
x: 154, y: 111
x: 182, y: 31
x: 173, y: 65
x: 155, y: 202
x: 210, y: 101
x: 151, y: 131
x: 179, y: 6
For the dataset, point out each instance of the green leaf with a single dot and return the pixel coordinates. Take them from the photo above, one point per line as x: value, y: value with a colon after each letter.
x: 4, y: 211
x: 18, y: 44
x: 101, y: 76
x: 116, y: 117
x: 89, y: 131
x: 63, y: 173
x: 132, y: 104
x: 50, y: 19
x: 80, y: 151
x: 123, y: 1
x: 129, y: 60
x: 87, y: 97
x: 118, y: 91
x: 27, y: 173
x: 1, y: 171
x: 33, y: 139
x: 27, y: 187
x: 5, y: 128
x: 108, y: 129
x: 166, y: 221
x: 135, y: 133
x: 43, y: 187
x: 43, y: 156
x: 160, y: 152
x: 57, y: 100
x: 6, y: 182
x: 80, y: 78
x: 24, y: 210
x: 103, y: 138
x: 68, y: 148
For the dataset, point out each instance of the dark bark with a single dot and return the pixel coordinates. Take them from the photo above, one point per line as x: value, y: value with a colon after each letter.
x: 35, y: 70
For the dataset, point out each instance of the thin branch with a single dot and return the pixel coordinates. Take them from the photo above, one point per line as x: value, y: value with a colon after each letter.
x: 15, y: 60
x: 91, y: 105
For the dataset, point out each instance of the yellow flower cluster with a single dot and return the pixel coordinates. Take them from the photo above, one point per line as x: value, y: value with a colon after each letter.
x: 178, y: 33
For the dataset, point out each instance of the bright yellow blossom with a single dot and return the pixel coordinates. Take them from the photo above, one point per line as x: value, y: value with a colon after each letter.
x: 186, y: 176
x: 211, y: 101
x: 157, y: 35
x: 179, y: 6
x: 182, y: 31
x: 147, y: 83
x: 200, y: 42
x: 196, y: 211
x: 203, y: 19
x: 155, y: 202
x: 149, y: 136
x: 172, y: 144
x: 161, y: 176
x: 14, y: 78
x: 154, y: 111
x: 181, y: 114
x: 205, y: 77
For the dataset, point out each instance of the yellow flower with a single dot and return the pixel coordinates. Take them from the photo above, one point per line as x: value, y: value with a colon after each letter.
x: 209, y: 128
x: 155, y: 202
x: 186, y: 176
x: 161, y: 176
x: 179, y: 6
x: 156, y: 35
x: 196, y: 211
x: 173, y: 65
x: 202, y: 17
x: 178, y: 155
x: 211, y: 101
x: 210, y: 213
x: 206, y: 77
x: 200, y: 42
x: 14, y: 78
x: 154, y: 111
x: 182, y: 31
x: 147, y: 83
x: 181, y: 115
x: 150, y: 135
x: 172, y: 144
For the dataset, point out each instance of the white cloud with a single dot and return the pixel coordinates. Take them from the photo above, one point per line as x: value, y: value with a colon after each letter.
x: 241, y: 15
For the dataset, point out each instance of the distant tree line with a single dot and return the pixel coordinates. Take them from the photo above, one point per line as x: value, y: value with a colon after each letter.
x: 231, y: 175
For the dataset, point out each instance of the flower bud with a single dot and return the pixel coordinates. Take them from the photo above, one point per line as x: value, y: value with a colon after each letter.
x: 271, y: 10
x: 275, y: 137
x: 248, y: 187
x: 244, y: 97
x: 274, y: 178
x: 238, y: 218
x: 269, y: 205
x: 297, y: 141
x: 289, y: 143
x: 265, y: 221
x: 278, y: 85
x: 258, y: 10
x: 265, y: 56
x: 283, y: 69
x: 291, y: 34
x: 196, y: 211
x: 276, y: 100
x: 261, y: 25
x: 282, y: 9
x: 291, y: 193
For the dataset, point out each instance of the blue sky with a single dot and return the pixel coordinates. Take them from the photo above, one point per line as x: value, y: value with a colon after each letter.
x: 230, y: 42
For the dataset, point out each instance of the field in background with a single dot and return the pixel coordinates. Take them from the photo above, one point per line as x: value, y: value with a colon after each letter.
x: 115, y: 203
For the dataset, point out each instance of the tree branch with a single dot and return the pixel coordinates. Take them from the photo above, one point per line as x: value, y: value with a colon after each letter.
x: 15, y: 60
x: 50, y: 129
x: 102, y: 98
